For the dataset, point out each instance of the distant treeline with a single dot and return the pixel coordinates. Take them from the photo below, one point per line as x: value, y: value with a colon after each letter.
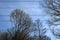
x: 23, y: 28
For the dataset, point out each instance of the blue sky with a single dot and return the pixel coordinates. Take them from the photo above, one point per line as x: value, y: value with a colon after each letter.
x: 32, y: 8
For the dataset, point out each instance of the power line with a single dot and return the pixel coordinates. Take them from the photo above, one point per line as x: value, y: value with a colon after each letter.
x: 4, y: 15
x: 29, y: 15
x: 5, y: 21
x: 18, y: 7
x: 10, y: 21
x: 15, y: 7
x: 9, y: 16
x: 19, y: 1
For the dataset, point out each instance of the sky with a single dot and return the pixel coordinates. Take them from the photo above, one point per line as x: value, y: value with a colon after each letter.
x: 32, y: 7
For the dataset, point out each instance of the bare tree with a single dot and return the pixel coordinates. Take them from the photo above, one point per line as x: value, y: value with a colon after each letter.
x: 53, y: 6
x: 22, y: 24
x: 41, y: 30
